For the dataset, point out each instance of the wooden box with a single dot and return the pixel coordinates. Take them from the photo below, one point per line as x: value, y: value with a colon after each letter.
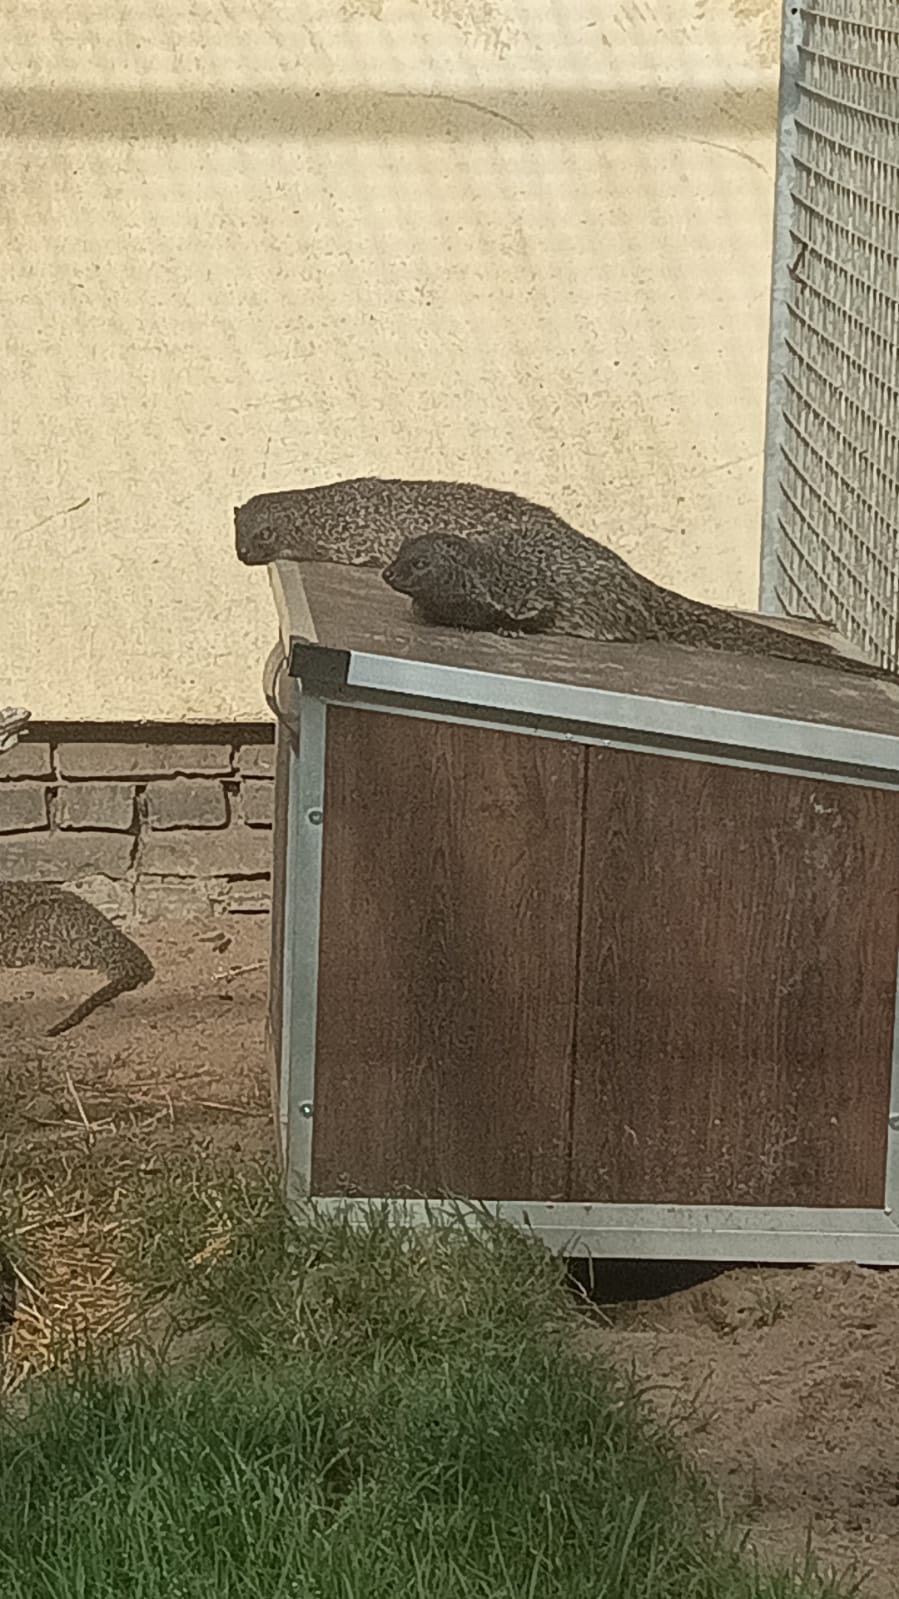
x: 603, y: 936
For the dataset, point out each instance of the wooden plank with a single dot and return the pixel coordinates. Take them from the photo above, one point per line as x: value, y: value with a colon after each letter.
x: 737, y: 986
x: 447, y: 959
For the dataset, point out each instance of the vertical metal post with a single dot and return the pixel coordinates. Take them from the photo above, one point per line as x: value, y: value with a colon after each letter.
x: 781, y: 266
x: 286, y: 746
x: 284, y: 953
x: 302, y: 916
x: 891, y: 1195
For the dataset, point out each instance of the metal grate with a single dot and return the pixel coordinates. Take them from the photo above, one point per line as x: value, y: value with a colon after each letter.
x: 831, y: 533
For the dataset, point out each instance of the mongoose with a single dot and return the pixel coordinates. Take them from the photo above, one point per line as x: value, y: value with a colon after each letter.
x: 363, y: 521
x: 53, y: 929
x: 12, y: 725
x: 563, y: 582
x: 366, y: 522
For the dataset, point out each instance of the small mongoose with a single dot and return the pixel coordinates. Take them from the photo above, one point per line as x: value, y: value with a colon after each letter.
x: 363, y: 521
x: 13, y: 720
x: 517, y: 582
x: 53, y: 929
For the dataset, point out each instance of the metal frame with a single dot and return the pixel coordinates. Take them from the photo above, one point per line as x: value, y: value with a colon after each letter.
x: 828, y: 537
x: 782, y: 253
x: 662, y: 1232
x: 597, y: 715
x: 601, y: 717
x: 715, y: 1232
x: 302, y: 911
x: 363, y: 681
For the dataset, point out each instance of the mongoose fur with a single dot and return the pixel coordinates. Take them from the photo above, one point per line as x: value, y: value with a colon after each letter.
x: 522, y: 583
x: 492, y: 560
x: 52, y: 929
x: 363, y: 521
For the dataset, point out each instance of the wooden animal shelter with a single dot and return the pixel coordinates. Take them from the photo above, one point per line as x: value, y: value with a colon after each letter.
x: 605, y: 936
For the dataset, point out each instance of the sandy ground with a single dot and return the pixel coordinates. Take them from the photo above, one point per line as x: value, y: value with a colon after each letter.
x: 784, y: 1384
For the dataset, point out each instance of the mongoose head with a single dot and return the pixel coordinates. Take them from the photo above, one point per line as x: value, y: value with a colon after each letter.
x: 354, y: 521
x: 432, y: 564
x: 458, y: 581
x: 444, y: 576
x: 265, y: 529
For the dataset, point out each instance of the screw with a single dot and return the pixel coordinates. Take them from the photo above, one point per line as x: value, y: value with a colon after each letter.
x: 894, y: 1124
x: 306, y: 1110
x: 315, y: 817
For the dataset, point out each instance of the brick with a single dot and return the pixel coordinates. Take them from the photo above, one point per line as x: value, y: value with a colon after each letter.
x: 62, y: 857
x: 256, y: 760
x: 109, y: 806
x: 172, y: 898
x: 105, y: 758
x: 23, y: 807
x: 186, y: 802
x: 26, y: 760
x: 243, y: 896
x: 257, y: 802
x: 221, y: 852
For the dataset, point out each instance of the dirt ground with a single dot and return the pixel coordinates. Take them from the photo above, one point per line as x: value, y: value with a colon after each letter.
x: 783, y: 1383
x: 785, y: 1386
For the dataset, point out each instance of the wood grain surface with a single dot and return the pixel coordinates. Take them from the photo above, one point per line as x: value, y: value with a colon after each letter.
x: 448, y: 959
x: 737, y: 986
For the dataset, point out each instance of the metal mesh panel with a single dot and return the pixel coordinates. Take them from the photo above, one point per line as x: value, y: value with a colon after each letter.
x: 831, y: 541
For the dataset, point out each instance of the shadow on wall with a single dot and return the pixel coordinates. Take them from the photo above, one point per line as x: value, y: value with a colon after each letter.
x: 275, y: 113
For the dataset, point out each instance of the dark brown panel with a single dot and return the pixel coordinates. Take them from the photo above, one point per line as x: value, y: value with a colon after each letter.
x: 737, y: 986
x: 448, y: 959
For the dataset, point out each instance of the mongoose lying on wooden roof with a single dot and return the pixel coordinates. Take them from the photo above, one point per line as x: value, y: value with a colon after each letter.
x: 363, y: 521
x: 530, y: 571
x: 517, y: 582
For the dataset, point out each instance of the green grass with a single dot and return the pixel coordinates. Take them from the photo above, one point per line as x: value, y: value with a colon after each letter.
x: 339, y: 1413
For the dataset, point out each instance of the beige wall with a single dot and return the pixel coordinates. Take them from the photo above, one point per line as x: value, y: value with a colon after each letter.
x: 262, y: 243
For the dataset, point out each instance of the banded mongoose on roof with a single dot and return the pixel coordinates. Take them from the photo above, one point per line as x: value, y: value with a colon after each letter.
x: 546, y: 576
x: 562, y: 581
x: 364, y: 521
x: 13, y: 723
x: 55, y: 930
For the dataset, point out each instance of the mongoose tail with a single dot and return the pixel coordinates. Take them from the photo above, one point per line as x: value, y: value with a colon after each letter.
x: 121, y: 984
x: 716, y: 629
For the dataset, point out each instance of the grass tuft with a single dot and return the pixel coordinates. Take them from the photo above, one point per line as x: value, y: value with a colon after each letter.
x: 336, y: 1412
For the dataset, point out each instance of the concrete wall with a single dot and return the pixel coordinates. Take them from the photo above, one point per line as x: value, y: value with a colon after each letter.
x: 272, y: 242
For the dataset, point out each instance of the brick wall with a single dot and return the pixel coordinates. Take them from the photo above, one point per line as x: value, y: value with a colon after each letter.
x: 146, y: 822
